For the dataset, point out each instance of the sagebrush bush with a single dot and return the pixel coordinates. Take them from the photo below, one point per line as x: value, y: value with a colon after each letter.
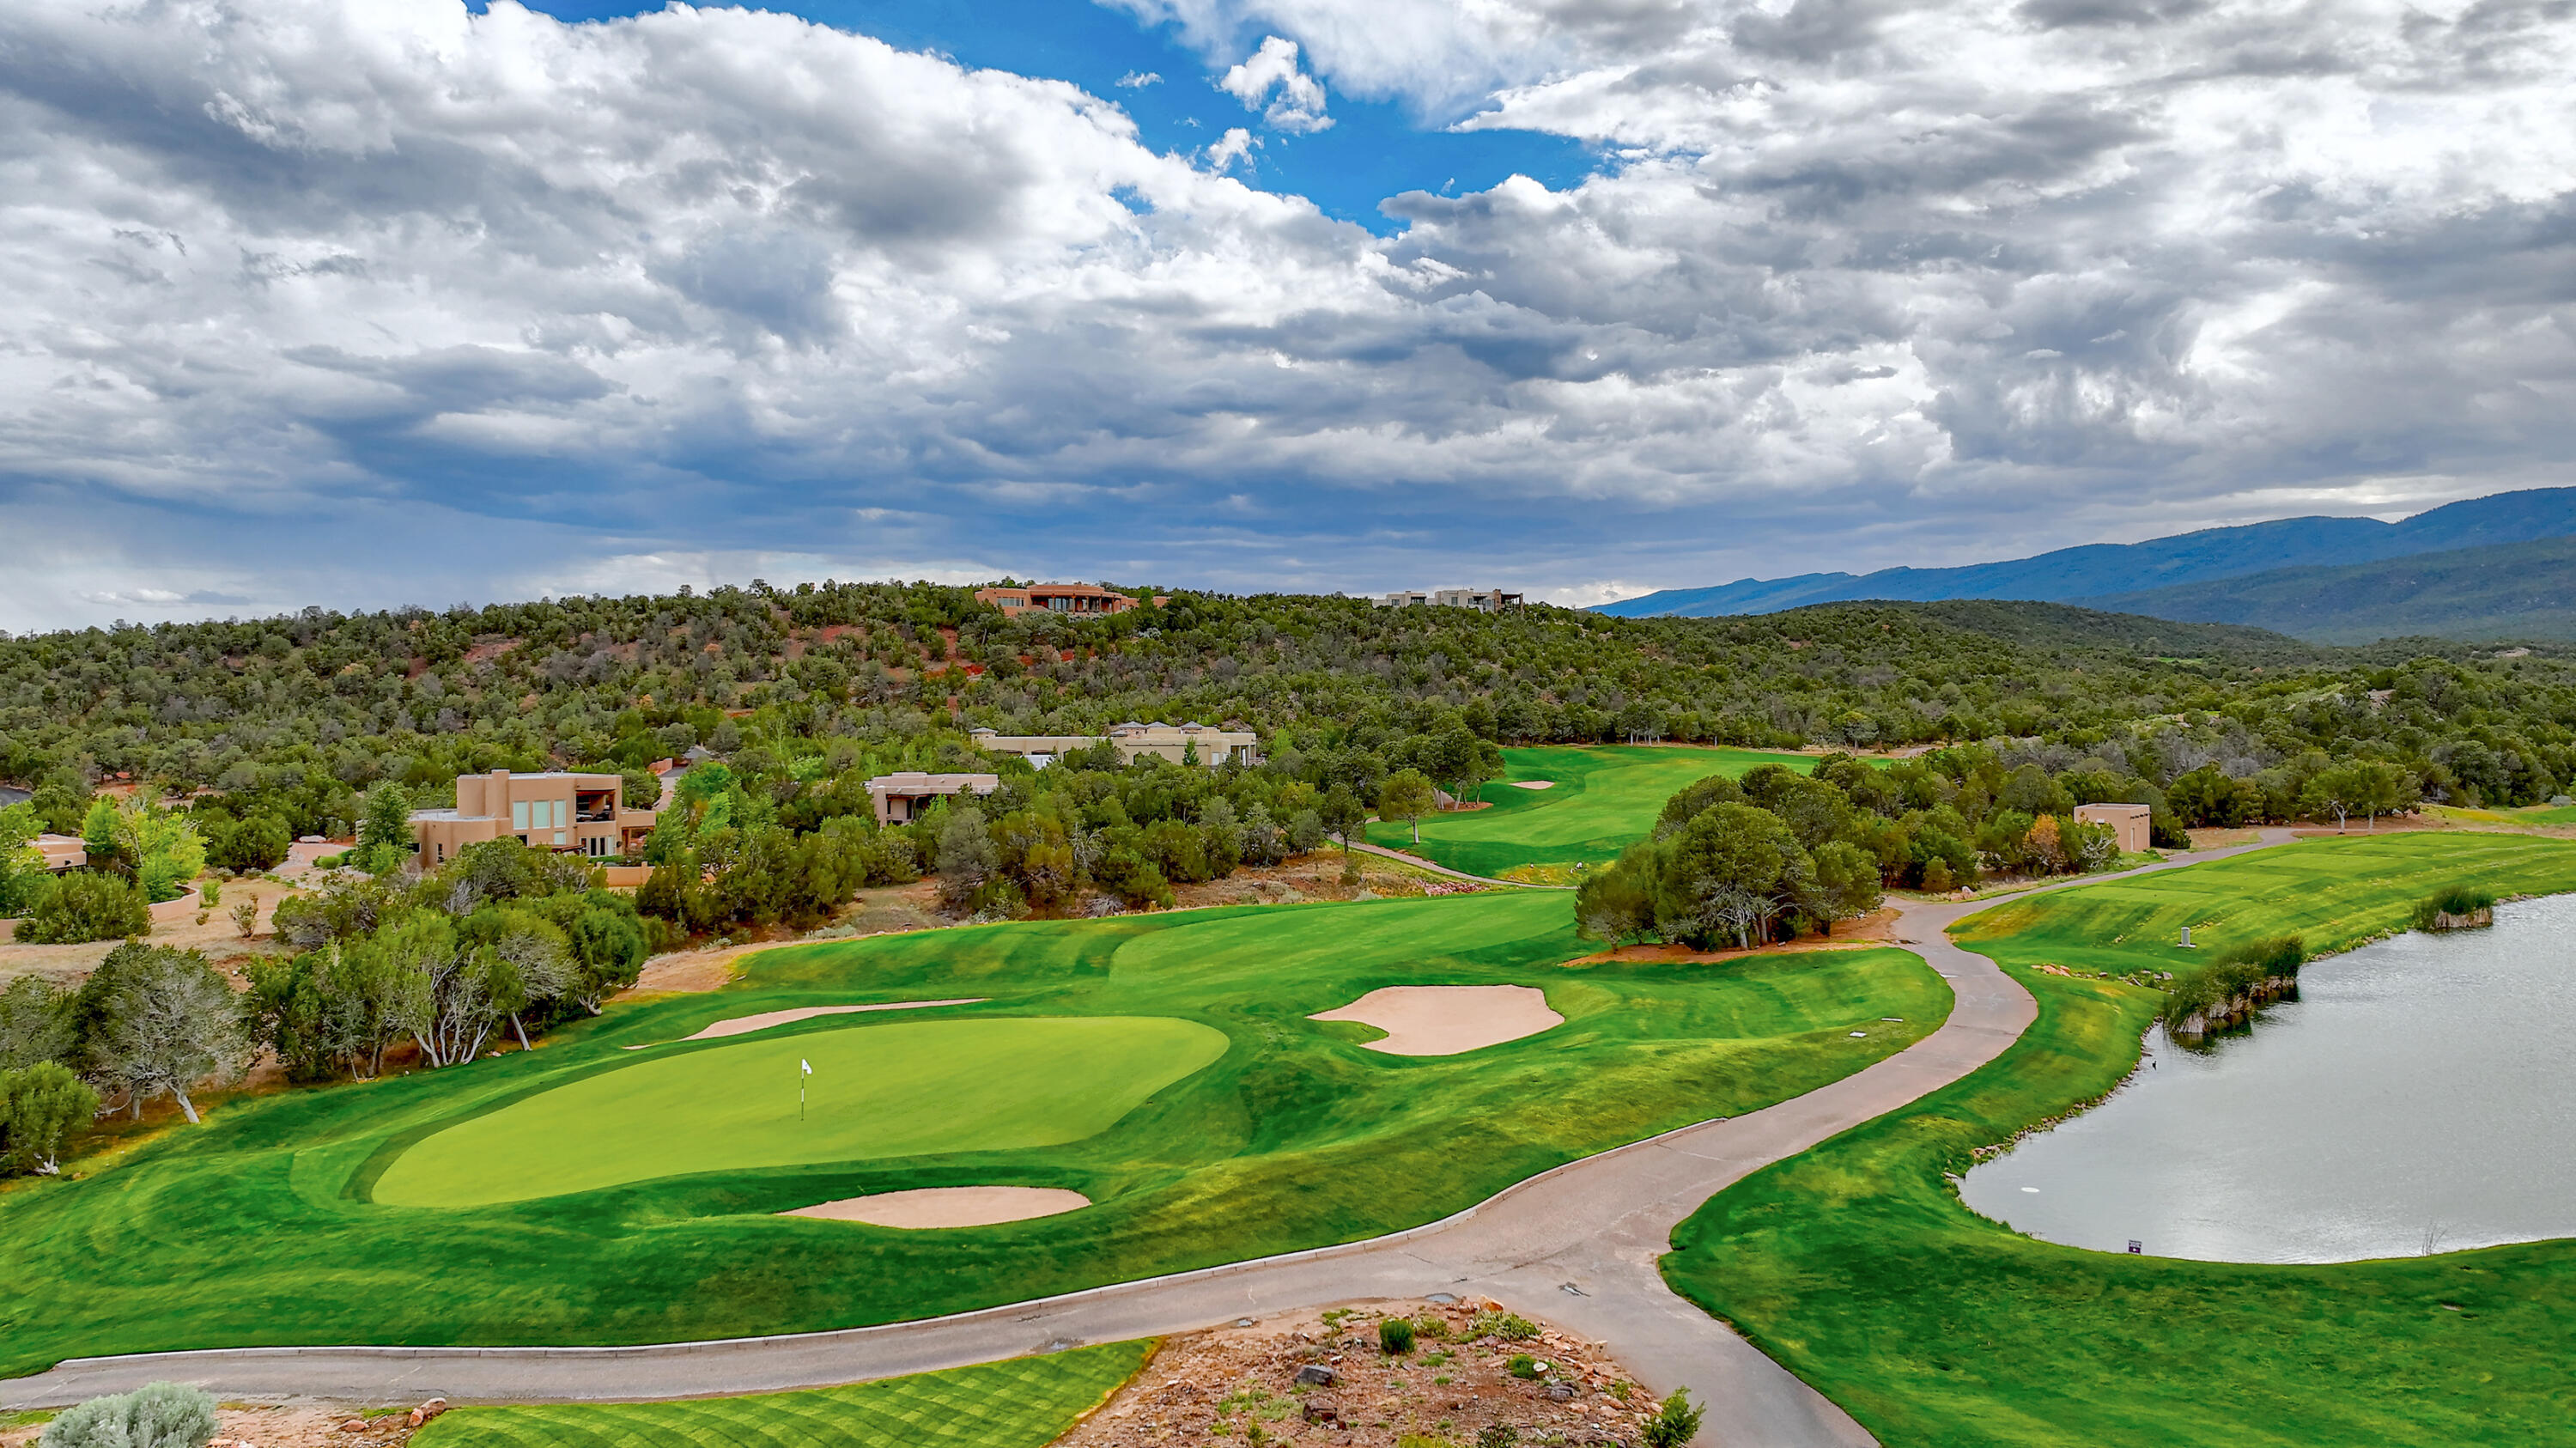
x: 157, y: 1415
x: 1395, y: 1335
x: 1675, y: 1424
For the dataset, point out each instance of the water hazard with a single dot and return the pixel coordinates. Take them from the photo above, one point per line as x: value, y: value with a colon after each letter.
x: 2420, y: 1095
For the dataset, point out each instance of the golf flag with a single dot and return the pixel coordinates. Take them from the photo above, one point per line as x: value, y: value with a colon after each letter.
x: 808, y: 1065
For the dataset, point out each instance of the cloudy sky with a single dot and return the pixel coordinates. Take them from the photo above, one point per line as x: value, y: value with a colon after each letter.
x: 369, y: 303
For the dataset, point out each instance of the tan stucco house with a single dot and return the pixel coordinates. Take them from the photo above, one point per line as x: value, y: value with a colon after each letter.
x: 2128, y: 822
x: 901, y: 797
x: 556, y: 810
x: 1165, y: 741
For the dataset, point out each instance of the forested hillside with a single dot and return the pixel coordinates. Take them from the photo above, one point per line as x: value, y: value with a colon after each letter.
x: 296, y: 715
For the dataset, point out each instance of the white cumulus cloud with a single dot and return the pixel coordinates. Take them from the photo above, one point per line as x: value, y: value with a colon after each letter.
x: 1269, y: 81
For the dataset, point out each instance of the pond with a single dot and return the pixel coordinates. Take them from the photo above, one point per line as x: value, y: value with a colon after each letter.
x: 2419, y: 1096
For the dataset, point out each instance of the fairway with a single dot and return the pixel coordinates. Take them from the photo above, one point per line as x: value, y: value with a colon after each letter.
x: 1022, y: 1403
x: 1604, y: 798
x: 259, y: 1228
x: 877, y: 1091
x: 1820, y: 1260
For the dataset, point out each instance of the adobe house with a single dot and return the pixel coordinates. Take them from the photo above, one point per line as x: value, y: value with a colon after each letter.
x: 1483, y: 600
x: 1081, y: 600
x: 1166, y: 741
x: 556, y: 810
x: 2128, y: 822
x: 900, y: 798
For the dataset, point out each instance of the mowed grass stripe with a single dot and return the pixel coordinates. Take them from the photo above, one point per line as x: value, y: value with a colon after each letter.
x: 1602, y: 798
x: 1025, y: 1403
x: 1856, y: 1266
x: 878, y: 1090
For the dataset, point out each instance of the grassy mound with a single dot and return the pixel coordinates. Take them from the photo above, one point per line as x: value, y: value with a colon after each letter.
x: 1023, y: 1403
x: 878, y: 1090
x: 1603, y: 799
x: 257, y: 1229
x: 1856, y: 1266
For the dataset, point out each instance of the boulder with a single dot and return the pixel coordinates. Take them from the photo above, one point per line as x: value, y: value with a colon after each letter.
x: 427, y: 1411
x: 354, y: 1425
x: 1319, y: 1376
x: 1322, y: 1410
x: 1560, y: 1392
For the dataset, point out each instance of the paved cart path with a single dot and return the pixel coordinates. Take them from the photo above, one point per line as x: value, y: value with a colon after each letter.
x: 1576, y: 1246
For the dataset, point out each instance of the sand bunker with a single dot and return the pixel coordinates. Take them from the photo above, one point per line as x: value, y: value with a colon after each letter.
x: 1443, y: 1020
x: 1533, y: 784
x: 948, y: 1206
x: 744, y: 1025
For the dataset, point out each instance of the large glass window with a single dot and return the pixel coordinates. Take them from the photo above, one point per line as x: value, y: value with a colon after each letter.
x: 519, y: 814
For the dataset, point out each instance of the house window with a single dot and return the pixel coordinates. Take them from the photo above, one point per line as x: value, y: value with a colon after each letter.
x: 519, y: 814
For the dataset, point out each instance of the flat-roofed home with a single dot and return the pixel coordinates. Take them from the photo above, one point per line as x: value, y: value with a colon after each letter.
x: 2128, y: 822
x: 901, y: 797
x: 1485, y: 600
x: 1164, y: 741
x: 1083, y: 599
x: 62, y: 852
x: 555, y: 810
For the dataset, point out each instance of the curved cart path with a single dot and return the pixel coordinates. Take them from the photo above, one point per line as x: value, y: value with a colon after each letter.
x: 1577, y: 1246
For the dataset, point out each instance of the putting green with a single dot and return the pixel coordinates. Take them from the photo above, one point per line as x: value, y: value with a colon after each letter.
x: 877, y: 1091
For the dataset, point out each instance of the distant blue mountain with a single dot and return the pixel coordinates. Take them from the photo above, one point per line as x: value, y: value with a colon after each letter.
x: 2101, y: 569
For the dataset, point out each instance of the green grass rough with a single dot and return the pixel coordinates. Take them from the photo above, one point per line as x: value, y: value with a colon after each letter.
x: 1856, y: 1266
x: 1603, y: 798
x: 257, y: 1229
x: 1022, y: 1403
x: 885, y: 1091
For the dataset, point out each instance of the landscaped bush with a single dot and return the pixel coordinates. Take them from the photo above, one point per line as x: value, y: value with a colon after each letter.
x: 85, y: 905
x: 1395, y: 1335
x: 1524, y: 1366
x: 1509, y: 1326
x: 2444, y: 911
x: 1675, y: 1424
x: 157, y: 1415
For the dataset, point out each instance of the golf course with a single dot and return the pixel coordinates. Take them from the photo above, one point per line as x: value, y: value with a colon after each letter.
x: 1164, y: 1066
x: 1597, y: 801
x: 1822, y: 1260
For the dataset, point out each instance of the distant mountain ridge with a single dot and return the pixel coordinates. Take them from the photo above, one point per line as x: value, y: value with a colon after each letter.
x: 2097, y: 572
x: 2503, y: 591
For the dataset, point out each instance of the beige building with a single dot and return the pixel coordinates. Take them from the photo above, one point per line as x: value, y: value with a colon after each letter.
x: 62, y: 852
x: 2128, y: 822
x: 1164, y: 741
x: 1083, y: 600
x: 900, y: 798
x: 556, y: 810
x: 1484, y: 600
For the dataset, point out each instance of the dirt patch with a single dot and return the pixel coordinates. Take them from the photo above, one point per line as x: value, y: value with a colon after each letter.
x: 1457, y: 1381
x: 761, y: 1021
x: 948, y: 1206
x: 1876, y: 928
x: 1445, y: 1020
x: 1318, y: 876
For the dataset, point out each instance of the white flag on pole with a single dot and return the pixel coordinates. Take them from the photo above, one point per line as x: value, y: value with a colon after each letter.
x: 808, y: 1065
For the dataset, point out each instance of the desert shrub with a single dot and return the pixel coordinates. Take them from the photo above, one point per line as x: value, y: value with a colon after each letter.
x: 1395, y: 1335
x: 1423, y: 1440
x: 1675, y: 1424
x: 2231, y: 973
x: 1509, y: 1326
x: 2457, y: 900
x: 157, y: 1415
x: 1498, y: 1435
x: 40, y: 1107
x: 1524, y: 1366
x: 85, y: 905
x: 1431, y: 1327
